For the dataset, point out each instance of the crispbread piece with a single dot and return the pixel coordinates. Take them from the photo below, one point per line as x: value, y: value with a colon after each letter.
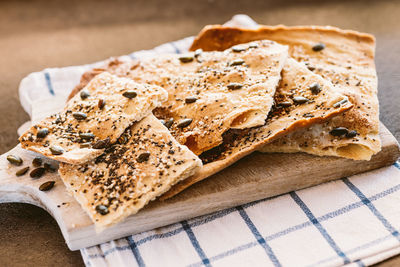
x: 297, y: 105
x: 68, y: 130
x: 144, y: 164
x: 347, y: 61
x: 213, y: 92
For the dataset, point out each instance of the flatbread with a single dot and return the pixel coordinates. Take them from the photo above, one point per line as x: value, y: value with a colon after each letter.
x: 291, y: 112
x: 78, y: 138
x: 121, y: 181
x: 347, y: 61
x: 213, y: 92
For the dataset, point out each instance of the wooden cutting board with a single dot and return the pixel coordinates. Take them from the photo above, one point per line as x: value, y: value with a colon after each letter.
x: 255, y: 177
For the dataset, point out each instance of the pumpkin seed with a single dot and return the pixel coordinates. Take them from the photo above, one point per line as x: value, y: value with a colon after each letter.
x: 86, y: 136
x: 79, y: 115
x: 103, y: 210
x: 190, y: 99
x: 300, y: 100
x: 84, y: 94
x: 49, y: 167
x: 237, y: 62
x: 285, y: 104
x: 318, y: 47
x: 38, y: 172
x: 85, y: 145
x: 234, y: 86
x: 22, y: 171
x: 308, y: 115
x: 130, y: 94
x: 58, y: 119
x: 37, y: 162
x: 351, y: 134
x: 339, y: 103
x: 101, y: 143
x: 47, y: 186
x: 254, y: 45
x: 143, y: 157
x: 186, y: 58
x: 56, y: 150
x: 238, y: 48
x: 339, y: 131
x: 123, y: 139
x: 184, y: 123
x: 198, y: 52
x: 101, y: 103
x: 169, y: 123
x: 311, y: 68
x: 42, y: 133
x: 315, y: 88
x: 15, y: 160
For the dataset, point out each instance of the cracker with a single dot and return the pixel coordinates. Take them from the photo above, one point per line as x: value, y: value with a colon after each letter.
x: 144, y: 164
x: 291, y: 112
x: 84, y: 128
x: 347, y: 61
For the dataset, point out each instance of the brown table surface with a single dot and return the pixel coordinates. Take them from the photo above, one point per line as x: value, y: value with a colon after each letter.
x: 38, y: 34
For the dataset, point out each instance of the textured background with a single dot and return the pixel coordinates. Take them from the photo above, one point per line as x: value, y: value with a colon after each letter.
x: 38, y: 34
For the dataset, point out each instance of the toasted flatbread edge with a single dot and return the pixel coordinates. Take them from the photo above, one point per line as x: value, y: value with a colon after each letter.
x: 214, y: 167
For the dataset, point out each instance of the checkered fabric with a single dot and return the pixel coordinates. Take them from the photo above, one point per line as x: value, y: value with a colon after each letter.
x: 352, y: 221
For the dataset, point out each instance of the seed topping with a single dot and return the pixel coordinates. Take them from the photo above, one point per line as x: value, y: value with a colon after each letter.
x: 130, y: 94
x: 56, y: 150
x: 15, y: 160
x: 47, y: 186
x: 318, y: 47
x: 190, y: 99
x: 42, y: 133
x: 143, y: 157
x: 184, y: 123
x: 315, y: 88
x: 300, y: 100
x: 103, y: 210
x: 38, y: 172
x: 37, y: 162
x: 79, y: 116
x: 186, y: 58
x: 22, y: 171
x: 339, y: 131
x: 234, y: 86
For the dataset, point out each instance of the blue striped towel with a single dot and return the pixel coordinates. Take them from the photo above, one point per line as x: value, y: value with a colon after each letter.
x: 352, y: 221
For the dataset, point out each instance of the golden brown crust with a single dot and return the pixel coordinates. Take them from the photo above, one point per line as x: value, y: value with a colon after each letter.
x: 347, y: 61
x: 286, y: 117
x: 217, y: 37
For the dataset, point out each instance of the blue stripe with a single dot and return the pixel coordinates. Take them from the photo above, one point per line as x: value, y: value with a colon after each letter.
x: 325, y: 217
x: 397, y: 165
x: 321, y: 229
x: 159, y: 236
x: 228, y: 253
x: 48, y: 82
x: 258, y: 236
x: 195, y: 243
x: 356, y: 249
x: 372, y: 208
x: 209, y: 218
x: 175, y: 47
x: 135, y: 251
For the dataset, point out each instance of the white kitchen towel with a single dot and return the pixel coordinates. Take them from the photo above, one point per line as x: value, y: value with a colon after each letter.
x: 352, y: 221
